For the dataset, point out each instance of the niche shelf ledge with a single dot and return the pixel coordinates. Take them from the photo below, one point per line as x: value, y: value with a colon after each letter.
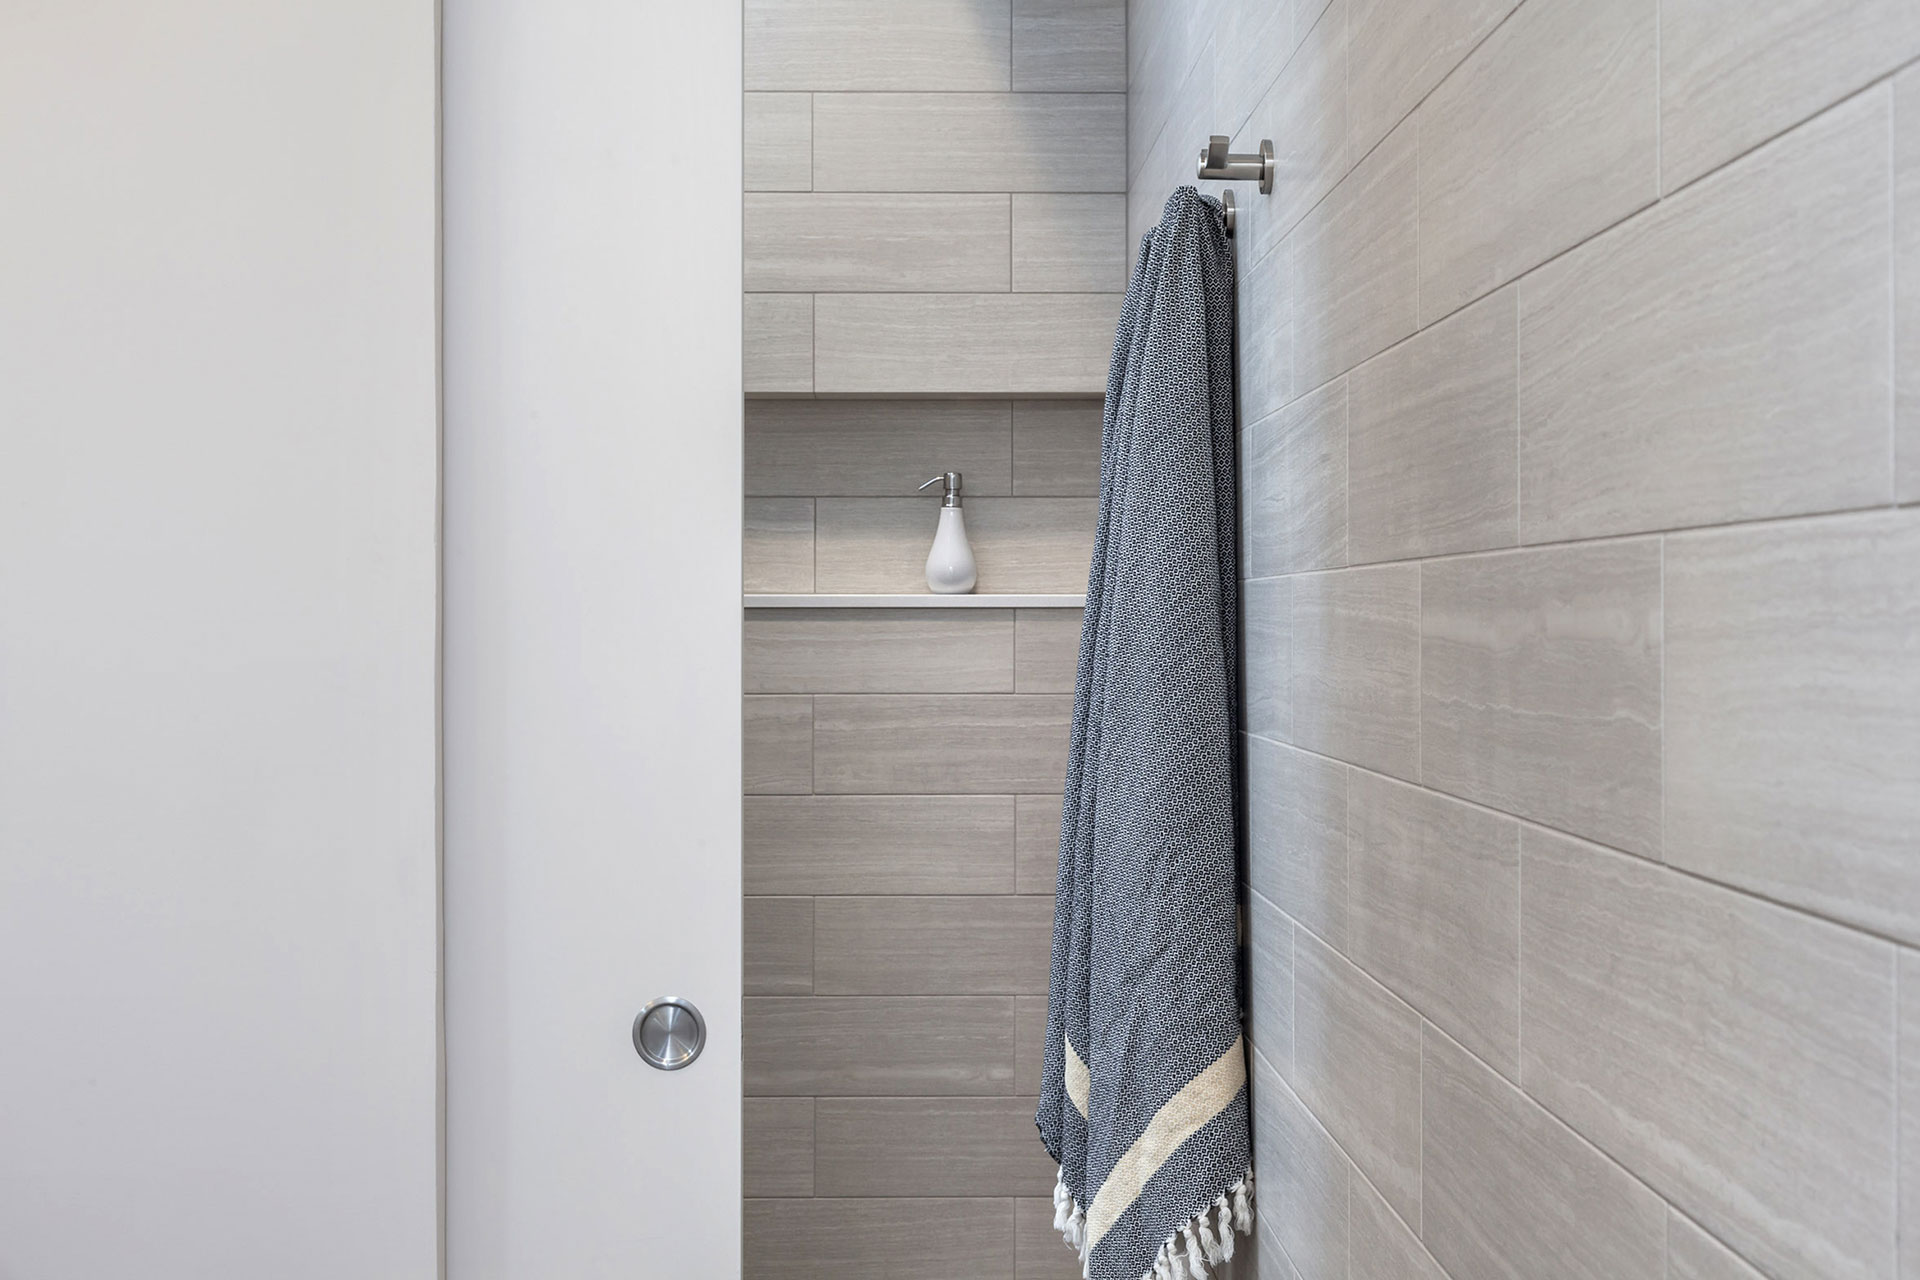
x: 757, y: 600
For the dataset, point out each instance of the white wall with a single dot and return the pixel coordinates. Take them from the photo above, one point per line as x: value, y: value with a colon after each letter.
x: 218, y: 443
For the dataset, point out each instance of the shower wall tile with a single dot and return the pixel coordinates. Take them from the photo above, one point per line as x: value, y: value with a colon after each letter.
x: 777, y: 550
x: 987, y: 141
x: 778, y: 949
x: 924, y: 744
x: 829, y: 1239
x: 964, y: 344
x: 878, y: 651
x: 1400, y: 50
x: 1056, y: 448
x: 877, y: 242
x: 777, y: 343
x: 1793, y: 713
x: 877, y: 44
x: 776, y: 1142
x: 1304, y: 112
x: 1271, y: 949
x: 1303, y: 1179
x: 1063, y: 45
x: 1297, y: 836
x: 1296, y: 464
x: 1263, y: 332
x: 1046, y: 650
x: 1773, y: 279
x: 777, y: 745
x: 1540, y: 686
x: 1433, y: 911
x: 1019, y: 544
x: 1037, y: 843
x: 1251, y: 43
x: 876, y: 1046
x: 1545, y: 134
x: 1069, y: 243
x: 778, y: 129
x: 929, y: 1147
x: 1513, y: 1193
x: 1356, y: 666
x: 1266, y: 656
x: 878, y: 844
x: 1732, y: 75
x: 1907, y: 1054
x: 933, y: 946
x: 1384, y: 1247
x: 1029, y: 1043
x: 874, y: 448
x: 1906, y: 282
x: 1038, y: 1251
x: 1692, y: 1254
x: 1774, y: 1121
x: 1432, y: 439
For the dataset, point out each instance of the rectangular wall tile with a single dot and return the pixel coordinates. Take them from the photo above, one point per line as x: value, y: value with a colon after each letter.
x: 1773, y: 279
x: 1692, y: 1254
x: 929, y: 1147
x: 1251, y: 43
x: 1356, y: 1064
x: 1263, y: 334
x: 1906, y: 282
x: 965, y: 343
x: 1540, y: 686
x: 877, y: 44
x: 777, y: 745
x: 1356, y: 264
x: 1029, y: 1043
x: 1046, y: 650
x: 1304, y: 111
x: 1768, y: 1118
x: 1433, y: 440
x: 1056, y: 448
x: 778, y: 940
x: 1401, y: 50
x: 878, y: 844
x: 1019, y: 544
x: 777, y: 338
x: 873, y: 448
x: 1303, y: 1179
x: 1793, y: 713
x: 1067, y: 45
x: 776, y: 1140
x: 1384, y: 1247
x: 1266, y: 656
x: 877, y: 1046
x: 1512, y: 1194
x: 1356, y: 666
x: 876, y: 242
x: 1907, y: 1172
x: 860, y: 1239
x: 1547, y: 133
x: 777, y: 550
x: 1433, y: 907
x: 987, y: 141
x: 1296, y: 485
x: 1038, y: 1251
x: 1297, y: 835
x: 933, y: 946
x: 778, y: 128
x: 1271, y: 947
x: 959, y: 744
x: 1037, y: 843
x: 879, y: 651
x: 1069, y: 243
x: 1727, y: 85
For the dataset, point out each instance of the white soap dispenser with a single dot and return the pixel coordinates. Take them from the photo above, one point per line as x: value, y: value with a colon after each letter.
x: 950, y: 563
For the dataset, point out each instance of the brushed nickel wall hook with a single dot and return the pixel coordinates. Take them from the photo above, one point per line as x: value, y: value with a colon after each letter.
x: 1217, y: 164
x: 1226, y: 206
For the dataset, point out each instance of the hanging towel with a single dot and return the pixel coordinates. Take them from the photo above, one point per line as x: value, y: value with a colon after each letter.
x: 1144, y: 1098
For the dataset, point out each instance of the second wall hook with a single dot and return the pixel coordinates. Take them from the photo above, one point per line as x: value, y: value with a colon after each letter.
x: 1220, y: 165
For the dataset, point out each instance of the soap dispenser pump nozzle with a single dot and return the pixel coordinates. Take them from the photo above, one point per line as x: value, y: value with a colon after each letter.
x: 952, y: 493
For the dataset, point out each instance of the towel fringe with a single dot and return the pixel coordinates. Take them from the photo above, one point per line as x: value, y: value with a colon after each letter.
x: 1193, y: 1249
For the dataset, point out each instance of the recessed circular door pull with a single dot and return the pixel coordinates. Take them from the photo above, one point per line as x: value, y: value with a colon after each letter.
x: 669, y: 1033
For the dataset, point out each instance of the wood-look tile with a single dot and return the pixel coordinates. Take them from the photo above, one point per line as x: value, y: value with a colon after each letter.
x: 1069, y: 243
x: 1736, y: 1055
x: 777, y: 745
x: 777, y: 550
x: 1297, y: 835
x: 926, y: 744
x: 777, y: 343
x: 777, y: 937
x: 1692, y: 1254
x: 1540, y: 686
x: 1056, y: 448
x: 986, y: 141
x: 1270, y: 945
x: 1384, y: 1247
x: 1793, y: 713
x: 1037, y: 843
x: 1734, y: 75
x: 1251, y: 43
x: 929, y: 1147
x: 1724, y: 356
x: 965, y: 343
x: 1357, y: 264
x: 1295, y: 477
x: 778, y: 129
x: 1266, y: 657
x: 876, y: 242
x: 1433, y: 907
x: 1356, y: 1064
x: 950, y: 1239
x: 1046, y: 650
x: 867, y: 1046
x: 1907, y: 1172
x: 1019, y: 544
x: 1304, y: 111
x: 964, y: 945
x: 1356, y: 666
x: 1029, y: 1043
x: 877, y: 44
x: 1906, y: 283
x: 1264, y: 334
x: 776, y: 1141
x: 875, y: 448
x: 1038, y: 1251
x: 1432, y: 439
x: 878, y: 844
x: 1401, y: 49
x: 1164, y: 42
x: 878, y: 650
x: 1545, y: 134
x: 1062, y: 46
x: 1513, y: 1194
x: 1303, y: 1178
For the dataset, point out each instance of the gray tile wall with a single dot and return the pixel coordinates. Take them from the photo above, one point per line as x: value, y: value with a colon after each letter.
x: 1580, y: 385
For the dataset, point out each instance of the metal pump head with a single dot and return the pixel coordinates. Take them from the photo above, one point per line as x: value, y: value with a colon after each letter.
x: 952, y: 481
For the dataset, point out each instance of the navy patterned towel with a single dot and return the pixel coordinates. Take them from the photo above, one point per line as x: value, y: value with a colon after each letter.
x: 1144, y: 1101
